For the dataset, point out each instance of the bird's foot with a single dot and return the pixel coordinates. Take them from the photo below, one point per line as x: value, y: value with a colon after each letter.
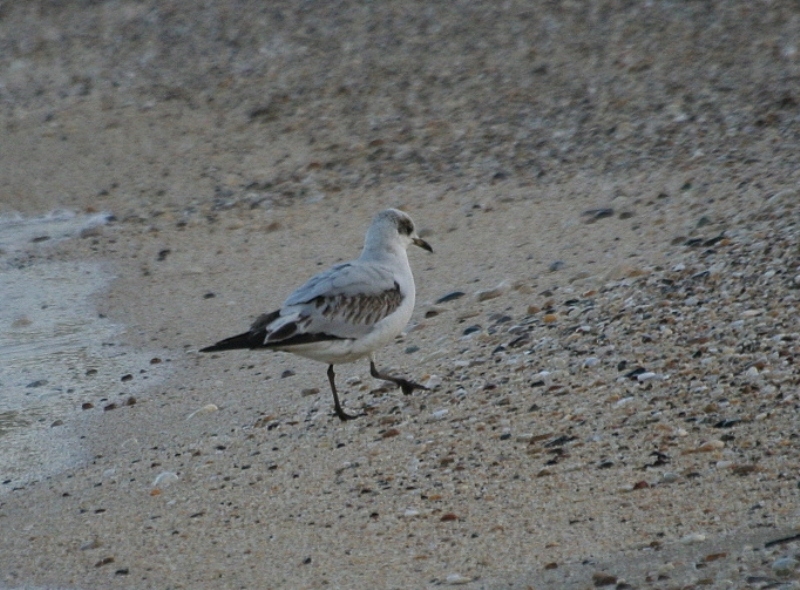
x: 404, y: 384
x: 408, y: 386
x: 344, y: 416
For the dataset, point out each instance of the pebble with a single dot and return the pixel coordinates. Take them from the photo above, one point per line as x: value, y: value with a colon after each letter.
x: 712, y: 445
x: 497, y: 291
x: 785, y: 566
x: 206, y: 409
x: 693, y: 538
x: 434, y: 356
x: 600, y: 579
x: 471, y: 329
x: 646, y: 376
x: 456, y: 579
x: 448, y: 517
x: 593, y: 215
x: 452, y: 296
x: 751, y: 313
x: 432, y: 381
x: 440, y: 414
x: 665, y: 568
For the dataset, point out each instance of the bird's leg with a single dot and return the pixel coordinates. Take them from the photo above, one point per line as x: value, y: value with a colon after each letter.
x: 404, y: 384
x: 336, y: 405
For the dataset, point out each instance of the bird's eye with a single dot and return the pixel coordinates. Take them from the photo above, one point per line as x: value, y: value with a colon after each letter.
x: 405, y: 227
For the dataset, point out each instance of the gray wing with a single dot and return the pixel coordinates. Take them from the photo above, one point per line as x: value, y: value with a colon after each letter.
x: 343, y: 302
x: 347, y: 278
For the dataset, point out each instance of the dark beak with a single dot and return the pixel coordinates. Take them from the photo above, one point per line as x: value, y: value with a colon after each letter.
x: 422, y: 244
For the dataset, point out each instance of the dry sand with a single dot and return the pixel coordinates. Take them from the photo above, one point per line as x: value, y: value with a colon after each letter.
x: 614, y: 188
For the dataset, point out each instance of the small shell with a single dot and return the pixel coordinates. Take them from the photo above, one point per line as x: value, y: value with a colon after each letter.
x: 206, y: 409
x: 164, y: 479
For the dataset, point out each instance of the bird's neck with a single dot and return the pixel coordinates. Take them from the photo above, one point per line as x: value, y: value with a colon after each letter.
x: 382, y: 252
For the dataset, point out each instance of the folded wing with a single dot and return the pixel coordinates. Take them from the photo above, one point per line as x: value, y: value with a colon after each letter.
x: 344, y: 302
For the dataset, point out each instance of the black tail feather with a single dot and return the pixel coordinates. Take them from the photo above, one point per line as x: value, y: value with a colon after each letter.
x: 254, y: 338
x: 246, y: 340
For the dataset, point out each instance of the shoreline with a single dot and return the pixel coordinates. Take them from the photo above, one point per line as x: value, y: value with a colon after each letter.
x: 58, y: 353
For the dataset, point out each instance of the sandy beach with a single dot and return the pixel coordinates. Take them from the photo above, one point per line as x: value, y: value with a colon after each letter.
x: 608, y: 323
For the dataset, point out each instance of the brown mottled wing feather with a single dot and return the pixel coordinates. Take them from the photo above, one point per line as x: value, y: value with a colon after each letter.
x: 360, y: 309
x: 335, y: 317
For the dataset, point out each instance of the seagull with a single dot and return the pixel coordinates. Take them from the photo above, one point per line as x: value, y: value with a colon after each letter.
x: 348, y: 311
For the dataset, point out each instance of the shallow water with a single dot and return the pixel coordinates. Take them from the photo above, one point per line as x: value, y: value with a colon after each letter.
x: 18, y: 233
x: 50, y: 337
x: 56, y: 352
